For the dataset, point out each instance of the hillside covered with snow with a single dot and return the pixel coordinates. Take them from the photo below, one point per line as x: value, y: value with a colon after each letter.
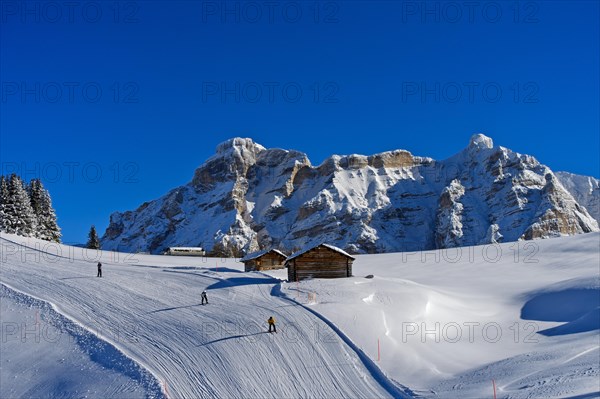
x: 451, y: 323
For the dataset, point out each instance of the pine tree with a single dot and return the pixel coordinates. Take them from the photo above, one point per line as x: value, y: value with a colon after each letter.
x: 93, y: 240
x: 52, y: 231
x: 3, y: 201
x: 47, y: 228
x: 35, y: 199
x: 18, y: 216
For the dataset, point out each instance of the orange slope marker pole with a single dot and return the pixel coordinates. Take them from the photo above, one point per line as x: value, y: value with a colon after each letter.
x: 167, y: 394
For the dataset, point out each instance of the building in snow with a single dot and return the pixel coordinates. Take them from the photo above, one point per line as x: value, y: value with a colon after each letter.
x: 185, y: 251
x: 264, y: 260
x: 320, y: 261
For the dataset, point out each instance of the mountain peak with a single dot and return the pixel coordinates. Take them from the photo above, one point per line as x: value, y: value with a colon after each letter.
x: 480, y: 141
x: 247, y: 197
x: 240, y: 144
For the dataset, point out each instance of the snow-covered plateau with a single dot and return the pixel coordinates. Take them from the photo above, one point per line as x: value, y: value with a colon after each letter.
x: 518, y: 318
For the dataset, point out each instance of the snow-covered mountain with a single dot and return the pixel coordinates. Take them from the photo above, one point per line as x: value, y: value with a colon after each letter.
x: 585, y: 190
x: 247, y: 197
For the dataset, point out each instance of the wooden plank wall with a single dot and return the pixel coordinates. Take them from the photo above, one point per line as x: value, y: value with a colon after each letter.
x: 271, y: 259
x: 250, y: 265
x: 320, y: 262
x: 268, y: 261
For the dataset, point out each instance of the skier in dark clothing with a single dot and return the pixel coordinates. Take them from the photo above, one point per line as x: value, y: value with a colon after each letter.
x: 99, y: 270
x: 204, y: 297
x: 271, y: 322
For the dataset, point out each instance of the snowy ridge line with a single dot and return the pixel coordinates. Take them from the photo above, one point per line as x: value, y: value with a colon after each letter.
x: 590, y: 283
x: 60, y: 256
x: 147, y: 377
x: 26, y: 245
x: 481, y: 195
x: 71, y: 255
x: 394, y: 388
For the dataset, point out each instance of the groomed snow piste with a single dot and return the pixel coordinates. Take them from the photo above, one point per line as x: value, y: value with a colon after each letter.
x: 522, y: 317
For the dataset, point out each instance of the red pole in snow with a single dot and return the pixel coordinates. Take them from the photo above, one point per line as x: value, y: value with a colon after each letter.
x: 166, y: 389
x: 494, y: 385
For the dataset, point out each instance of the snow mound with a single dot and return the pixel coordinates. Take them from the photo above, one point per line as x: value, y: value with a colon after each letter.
x: 588, y: 322
x: 577, y: 303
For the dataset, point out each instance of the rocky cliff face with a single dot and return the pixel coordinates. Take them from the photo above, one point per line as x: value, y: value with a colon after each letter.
x: 449, y: 232
x: 247, y: 197
x: 584, y: 189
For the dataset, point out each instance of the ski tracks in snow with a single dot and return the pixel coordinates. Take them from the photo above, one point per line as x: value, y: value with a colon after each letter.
x: 153, y: 315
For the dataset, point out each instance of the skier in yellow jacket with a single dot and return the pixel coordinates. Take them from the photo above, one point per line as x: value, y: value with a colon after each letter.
x: 271, y: 322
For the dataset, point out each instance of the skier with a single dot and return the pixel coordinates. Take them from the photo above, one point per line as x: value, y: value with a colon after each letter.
x: 271, y: 322
x: 99, y: 270
x: 204, y: 297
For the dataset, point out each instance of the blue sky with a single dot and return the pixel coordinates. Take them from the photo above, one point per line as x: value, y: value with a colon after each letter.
x: 114, y: 103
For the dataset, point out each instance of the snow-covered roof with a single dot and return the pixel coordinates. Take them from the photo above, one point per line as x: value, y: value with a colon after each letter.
x: 186, y: 248
x: 333, y: 248
x: 258, y: 254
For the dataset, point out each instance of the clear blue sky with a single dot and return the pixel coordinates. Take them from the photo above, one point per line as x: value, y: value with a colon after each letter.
x: 142, y: 92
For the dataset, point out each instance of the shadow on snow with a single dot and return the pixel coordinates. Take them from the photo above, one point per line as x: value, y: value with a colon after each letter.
x: 239, y: 281
x: 578, y: 307
x: 174, y: 308
x: 232, y: 337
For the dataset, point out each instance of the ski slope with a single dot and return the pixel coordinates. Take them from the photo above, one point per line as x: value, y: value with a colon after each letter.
x: 524, y: 316
x: 521, y: 317
x: 148, y: 307
x: 43, y: 354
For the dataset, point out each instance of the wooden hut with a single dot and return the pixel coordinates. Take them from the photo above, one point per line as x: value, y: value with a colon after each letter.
x: 319, y: 261
x: 264, y: 260
x: 184, y: 251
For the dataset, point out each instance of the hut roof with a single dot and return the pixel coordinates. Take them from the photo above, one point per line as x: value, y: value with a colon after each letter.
x: 258, y: 254
x: 333, y: 248
x: 186, y: 248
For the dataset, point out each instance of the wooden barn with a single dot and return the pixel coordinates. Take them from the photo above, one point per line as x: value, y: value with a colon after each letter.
x: 264, y: 260
x: 320, y: 261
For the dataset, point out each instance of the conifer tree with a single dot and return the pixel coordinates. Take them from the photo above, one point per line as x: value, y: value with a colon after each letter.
x: 3, y: 201
x: 47, y: 228
x: 35, y: 197
x: 93, y: 240
x: 18, y: 216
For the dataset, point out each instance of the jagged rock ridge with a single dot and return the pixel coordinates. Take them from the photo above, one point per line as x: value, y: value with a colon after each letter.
x: 247, y: 197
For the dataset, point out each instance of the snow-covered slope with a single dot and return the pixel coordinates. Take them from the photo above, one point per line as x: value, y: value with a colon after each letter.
x: 152, y: 314
x: 247, y: 197
x: 44, y: 354
x: 446, y: 323
x: 585, y: 190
